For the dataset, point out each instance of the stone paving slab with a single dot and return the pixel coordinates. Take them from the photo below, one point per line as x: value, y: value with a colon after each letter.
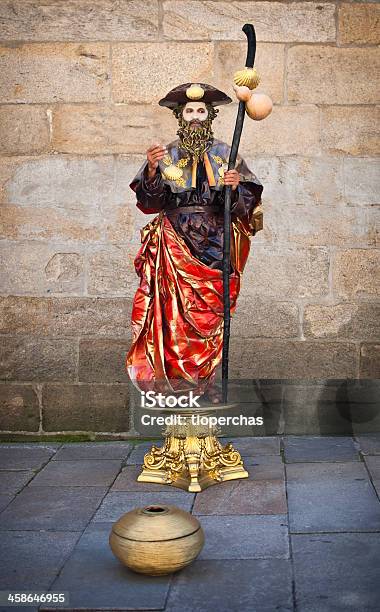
x: 5, y: 500
x: 12, y: 482
x: 337, y: 572
x: 376, y: 484
x: 81, y: 473
x: 331, y: 497
x: 54, y: 446
x: 24, y: 456
x: 32, y: 444
x: 259, y: 585
x: 250, y: 447
x: 369, y: 444
x: 265, y: 467
x: 117, y: 503
x: 93, y: 450
x: 245, y: 496
x: 245, y: 537
x: 18, y: 609
x: 373, y: 465
x: 137, y: 455
x: 96, y: 579
x: 65, y: 508
x: 127, y: 481
x: 33, y: 558
x: 311, y: 449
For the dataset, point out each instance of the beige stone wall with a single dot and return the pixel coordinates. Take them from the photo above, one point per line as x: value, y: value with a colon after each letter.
x: 80, y: 81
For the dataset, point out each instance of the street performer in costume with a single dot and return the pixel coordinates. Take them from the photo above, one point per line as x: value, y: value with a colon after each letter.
x: 177, y: 315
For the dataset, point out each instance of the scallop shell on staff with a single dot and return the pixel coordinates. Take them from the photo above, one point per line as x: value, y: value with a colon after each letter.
x: 248, y: 77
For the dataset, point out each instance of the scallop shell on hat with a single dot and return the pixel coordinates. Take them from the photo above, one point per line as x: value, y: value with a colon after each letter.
x: 195, y: 92
x: 172, y: 173
x: 247, y: 77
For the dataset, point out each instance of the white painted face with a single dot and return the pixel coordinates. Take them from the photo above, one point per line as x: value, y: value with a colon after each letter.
x: 195, y: 112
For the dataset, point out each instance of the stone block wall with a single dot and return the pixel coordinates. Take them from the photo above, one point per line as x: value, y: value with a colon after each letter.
x: 79, y: 88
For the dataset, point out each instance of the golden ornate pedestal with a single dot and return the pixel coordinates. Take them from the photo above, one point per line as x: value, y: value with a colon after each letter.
x: 192, y: 458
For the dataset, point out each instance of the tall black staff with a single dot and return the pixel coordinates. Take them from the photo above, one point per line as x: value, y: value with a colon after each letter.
x: 249, y: 31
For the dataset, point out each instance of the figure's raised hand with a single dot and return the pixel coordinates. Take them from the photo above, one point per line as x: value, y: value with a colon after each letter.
x: 154, y: 154
x: 231, y: 177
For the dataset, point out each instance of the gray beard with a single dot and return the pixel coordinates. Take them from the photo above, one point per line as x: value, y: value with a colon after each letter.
x: 195, y: 141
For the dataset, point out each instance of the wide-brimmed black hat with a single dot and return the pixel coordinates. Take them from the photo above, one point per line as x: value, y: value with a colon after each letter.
x: 193, y: 92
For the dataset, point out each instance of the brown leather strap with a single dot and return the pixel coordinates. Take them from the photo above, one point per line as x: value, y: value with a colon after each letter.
x: 192, y: 209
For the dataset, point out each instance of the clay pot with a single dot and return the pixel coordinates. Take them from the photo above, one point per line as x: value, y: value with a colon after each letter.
x: 156, y: 540
x: 258, y: 106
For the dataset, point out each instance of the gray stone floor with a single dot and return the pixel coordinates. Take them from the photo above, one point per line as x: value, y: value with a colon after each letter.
x: 301, y: 533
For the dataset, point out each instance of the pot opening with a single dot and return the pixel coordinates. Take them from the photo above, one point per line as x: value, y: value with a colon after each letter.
x: 154, y: 509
